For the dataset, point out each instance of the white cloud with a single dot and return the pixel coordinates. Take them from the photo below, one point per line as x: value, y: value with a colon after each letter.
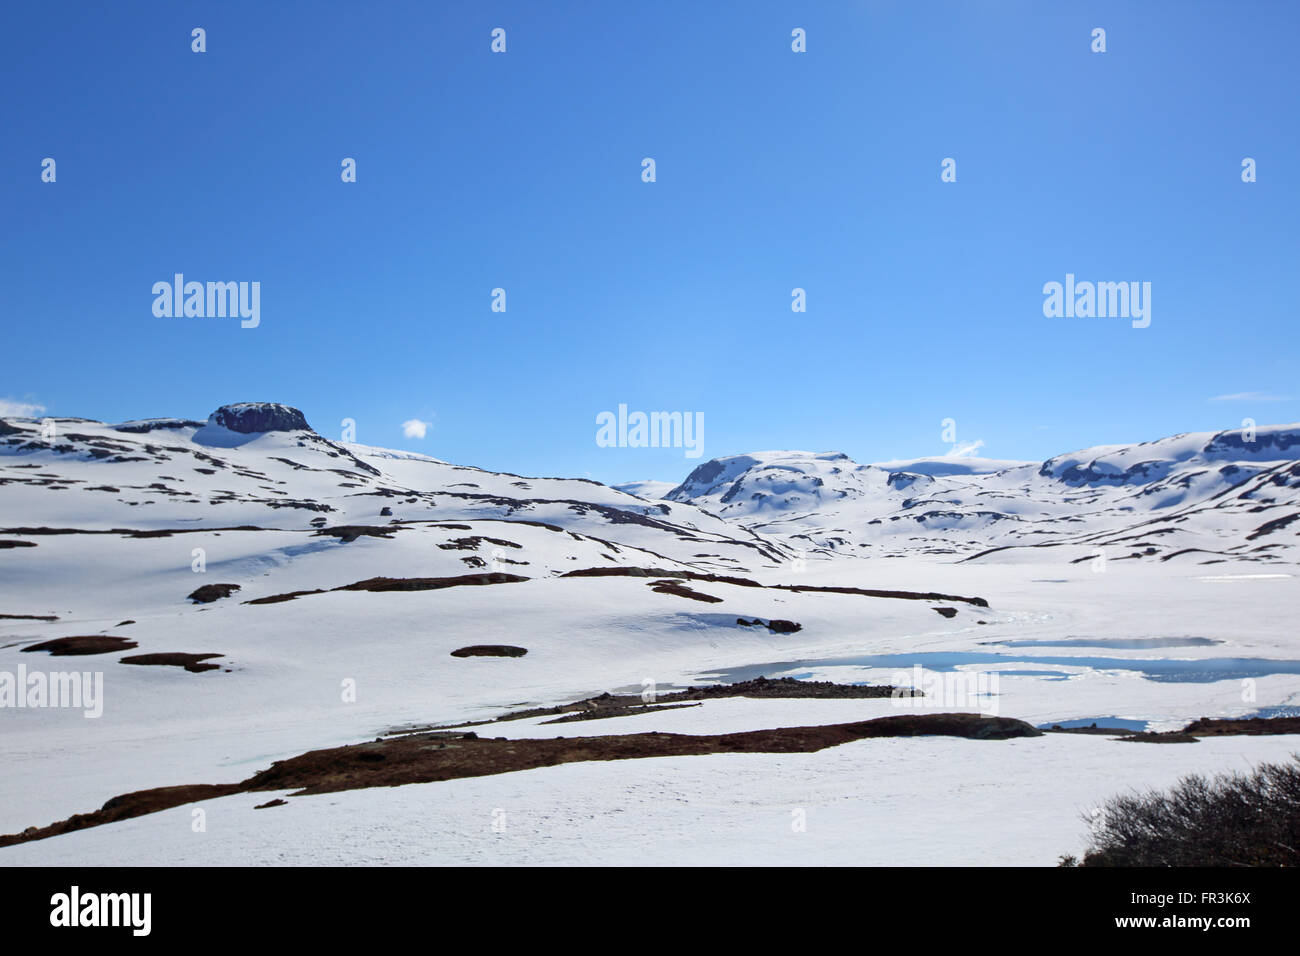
x: 966, y: 450
x: 415, y: 428
x: 10, y: 408
x: 1250, y: 397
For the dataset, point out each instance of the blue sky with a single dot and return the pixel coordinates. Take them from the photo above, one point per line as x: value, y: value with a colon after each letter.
x: 775, y: 170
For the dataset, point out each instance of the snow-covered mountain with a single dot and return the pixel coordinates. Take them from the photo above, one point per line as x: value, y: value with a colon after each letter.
x: 248, y: 590
x: 1206, y: 497
x: 259, y: 467
x: 1201, y: 497
x: 648, y: 488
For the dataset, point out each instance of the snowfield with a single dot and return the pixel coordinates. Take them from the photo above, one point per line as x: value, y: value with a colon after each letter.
x: 924, y: 802
x: 1137, y: 586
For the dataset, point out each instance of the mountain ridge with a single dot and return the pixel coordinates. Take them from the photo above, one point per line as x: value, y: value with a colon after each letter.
x: 828, y: 503
x: 1215, y: 496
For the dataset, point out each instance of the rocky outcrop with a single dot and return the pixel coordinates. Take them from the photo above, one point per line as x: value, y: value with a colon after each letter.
x: 156, y: 424
x: 82, y: 645
x: 212, y: 592
x: 249, y: 418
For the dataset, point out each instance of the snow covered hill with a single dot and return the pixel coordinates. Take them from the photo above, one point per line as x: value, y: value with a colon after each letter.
x: 1201, y: 498
x: 1204, y: 497
x: 259, y: 467
x: 248, y: 590
x: 649, y: 488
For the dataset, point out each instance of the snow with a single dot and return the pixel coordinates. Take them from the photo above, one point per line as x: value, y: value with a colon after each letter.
x: 648, y: 488
x: 951, y: 465
x: 279, y: 689
x: 923, y: 802
x: 1186, y: 498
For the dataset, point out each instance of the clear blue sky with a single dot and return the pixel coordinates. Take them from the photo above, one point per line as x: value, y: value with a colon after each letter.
x: 775, y: 170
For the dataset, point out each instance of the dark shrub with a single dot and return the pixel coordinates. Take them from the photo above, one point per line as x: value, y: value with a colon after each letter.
x: 1232, y: 820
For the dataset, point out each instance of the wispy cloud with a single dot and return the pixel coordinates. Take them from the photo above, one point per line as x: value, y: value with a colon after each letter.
x: 967, y: 449
x: 9, y: 407
x: 1250, y: 397
x: 414, y: 428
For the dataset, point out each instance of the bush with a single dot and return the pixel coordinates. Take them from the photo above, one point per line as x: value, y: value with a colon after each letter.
x: 1232, y: 820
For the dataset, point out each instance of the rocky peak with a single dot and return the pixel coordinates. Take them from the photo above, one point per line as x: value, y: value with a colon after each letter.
x: 250, y: 417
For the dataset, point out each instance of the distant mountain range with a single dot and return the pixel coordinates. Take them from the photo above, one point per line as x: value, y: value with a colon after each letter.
x: 1203, y: 498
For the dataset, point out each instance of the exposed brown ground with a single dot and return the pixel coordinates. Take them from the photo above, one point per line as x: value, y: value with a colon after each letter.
x: 124, y: 807
x: 83, y: 644
x: 490, y: 650
x: 622, y: 705
x: 437, y: 756
x: 402, y: 584
x: 681, y: 590
x: 432, y: 756
x: 750, y: 583
x: 212, y: 592
x: 348, y: 533
x: 776, y: 625
x: 1203, y: 727
x: 1213, y: 727
x: 191, y: 662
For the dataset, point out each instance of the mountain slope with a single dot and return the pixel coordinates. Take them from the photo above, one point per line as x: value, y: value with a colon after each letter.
x: 1210, y: 496
x: 260, y: 466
